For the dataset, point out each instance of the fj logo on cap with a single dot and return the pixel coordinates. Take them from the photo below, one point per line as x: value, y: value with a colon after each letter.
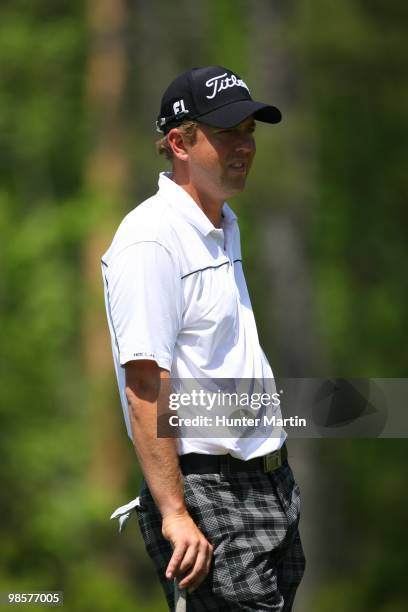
x: 179, y: 108
x: 218, y: 83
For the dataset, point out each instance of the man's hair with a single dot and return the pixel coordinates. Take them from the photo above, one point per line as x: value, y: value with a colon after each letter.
x: 189, y: 130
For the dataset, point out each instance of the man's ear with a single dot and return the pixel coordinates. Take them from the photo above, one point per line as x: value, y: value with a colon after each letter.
x: 176, y: 141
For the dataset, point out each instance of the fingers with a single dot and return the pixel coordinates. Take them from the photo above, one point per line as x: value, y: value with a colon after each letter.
x: 200, y: 569
x: 192, y: 552
x: 189, y: 559
x: 176, y: 558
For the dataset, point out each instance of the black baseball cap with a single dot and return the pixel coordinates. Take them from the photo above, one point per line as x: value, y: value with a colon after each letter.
x: 213, y: 95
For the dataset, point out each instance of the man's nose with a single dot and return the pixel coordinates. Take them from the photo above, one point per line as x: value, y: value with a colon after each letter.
x: 246, y: 144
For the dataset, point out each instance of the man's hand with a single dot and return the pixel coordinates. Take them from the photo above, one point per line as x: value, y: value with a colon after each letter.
x: 192, y: 552
x: 146, y: 386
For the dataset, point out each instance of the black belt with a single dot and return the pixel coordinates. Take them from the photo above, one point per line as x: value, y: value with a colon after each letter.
x: 196, y: 463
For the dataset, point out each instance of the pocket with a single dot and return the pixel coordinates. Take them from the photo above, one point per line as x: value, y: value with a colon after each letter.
x: 288, y: 492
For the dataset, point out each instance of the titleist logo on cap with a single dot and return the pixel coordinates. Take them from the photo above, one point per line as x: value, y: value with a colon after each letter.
x: 212, y: 95
x: 221, y: 82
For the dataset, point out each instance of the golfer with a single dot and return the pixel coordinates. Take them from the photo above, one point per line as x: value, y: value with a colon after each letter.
x: 219, y: 514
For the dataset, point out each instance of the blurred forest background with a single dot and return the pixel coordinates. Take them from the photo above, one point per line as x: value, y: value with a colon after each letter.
x: 323, y: 221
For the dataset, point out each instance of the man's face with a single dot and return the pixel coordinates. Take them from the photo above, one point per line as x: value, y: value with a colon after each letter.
x: 220, y: 159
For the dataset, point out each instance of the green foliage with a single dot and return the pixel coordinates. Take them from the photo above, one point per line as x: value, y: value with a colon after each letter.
x: 41, y: 58
x: 359, y: 90
x: 228, y: 43
x: 49, y: 525
x: 357, y: 54
x: 368, y: 480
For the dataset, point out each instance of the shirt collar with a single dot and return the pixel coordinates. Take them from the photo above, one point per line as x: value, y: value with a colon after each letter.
x: 181, y: 201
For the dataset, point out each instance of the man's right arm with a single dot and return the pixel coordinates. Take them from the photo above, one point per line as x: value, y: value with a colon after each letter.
x: 146, y: 386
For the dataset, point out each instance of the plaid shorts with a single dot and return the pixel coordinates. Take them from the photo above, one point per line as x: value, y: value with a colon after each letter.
x: 251, y: 519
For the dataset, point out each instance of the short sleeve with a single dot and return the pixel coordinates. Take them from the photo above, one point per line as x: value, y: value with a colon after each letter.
x: 144, y: 302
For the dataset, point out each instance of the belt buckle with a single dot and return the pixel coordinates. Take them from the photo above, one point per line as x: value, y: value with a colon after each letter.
x: 272, y: 461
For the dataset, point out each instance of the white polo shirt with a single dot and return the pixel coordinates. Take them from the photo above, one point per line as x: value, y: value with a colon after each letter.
x: 175, y: 293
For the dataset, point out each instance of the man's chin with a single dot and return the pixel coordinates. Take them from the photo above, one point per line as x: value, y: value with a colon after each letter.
x: 236, y: 186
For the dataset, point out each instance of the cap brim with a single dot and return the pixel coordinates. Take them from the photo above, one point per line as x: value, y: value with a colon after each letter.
x: 234, y: 113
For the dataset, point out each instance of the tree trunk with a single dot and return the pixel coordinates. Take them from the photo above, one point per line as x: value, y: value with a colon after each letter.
x: 106, y: 179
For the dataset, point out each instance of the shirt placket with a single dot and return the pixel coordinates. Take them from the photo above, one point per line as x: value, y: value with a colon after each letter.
x: 227, y: 247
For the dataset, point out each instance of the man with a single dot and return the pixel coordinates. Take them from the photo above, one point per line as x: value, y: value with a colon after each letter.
x: 219, y: 515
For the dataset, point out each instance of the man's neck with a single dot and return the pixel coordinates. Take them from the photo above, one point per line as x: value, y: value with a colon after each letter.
x: 211, y: 207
